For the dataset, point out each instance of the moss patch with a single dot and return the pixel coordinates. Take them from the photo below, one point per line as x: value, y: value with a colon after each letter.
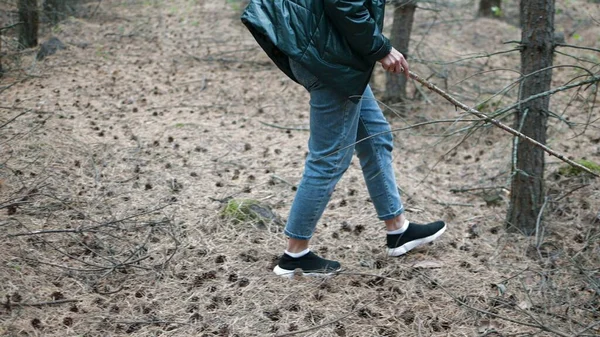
x: 572, y: 171
x: 251, y: 211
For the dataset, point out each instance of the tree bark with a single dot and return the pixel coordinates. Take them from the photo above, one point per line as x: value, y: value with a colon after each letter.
x: 1, y: 70
x: 28, y: 29
x: 404, y: 13
x: 486, y: 6
x: 527, y: 192
x: 55, y: 10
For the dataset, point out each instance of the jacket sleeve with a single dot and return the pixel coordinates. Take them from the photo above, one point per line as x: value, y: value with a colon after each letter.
x: 354, y: 21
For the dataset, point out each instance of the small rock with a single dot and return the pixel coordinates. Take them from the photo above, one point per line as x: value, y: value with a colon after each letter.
x: 49, y: 47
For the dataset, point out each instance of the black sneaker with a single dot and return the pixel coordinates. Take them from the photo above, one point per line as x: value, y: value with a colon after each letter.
x: 311, y: 265
x: 414, y: 236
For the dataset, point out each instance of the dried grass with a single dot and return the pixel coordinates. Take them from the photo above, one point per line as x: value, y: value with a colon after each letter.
x: 131, y: 145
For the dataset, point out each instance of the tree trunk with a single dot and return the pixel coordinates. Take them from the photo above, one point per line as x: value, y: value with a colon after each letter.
x: 29, y: 18
x: 486, y: 7
x: 55, y: 10
x: 527, y: 192
x: 1, y: 70
x: 404, y: 12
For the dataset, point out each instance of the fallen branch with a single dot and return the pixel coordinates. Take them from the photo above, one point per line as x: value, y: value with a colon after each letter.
x: 506, y: 128
x: 470, y: 189
x: 41, y: 304
x: 151, y: 322
x: 536, y: 325
x: 82, y: 229
x: 12, y: 119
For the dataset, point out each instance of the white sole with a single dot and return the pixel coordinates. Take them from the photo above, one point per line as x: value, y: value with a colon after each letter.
x: 414, y: 244
x: 290, y: 273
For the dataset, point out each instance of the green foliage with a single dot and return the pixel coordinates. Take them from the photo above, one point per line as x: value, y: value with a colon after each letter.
x: 572, y: 171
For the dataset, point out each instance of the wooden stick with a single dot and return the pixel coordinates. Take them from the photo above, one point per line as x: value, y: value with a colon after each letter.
x: 505, y: 127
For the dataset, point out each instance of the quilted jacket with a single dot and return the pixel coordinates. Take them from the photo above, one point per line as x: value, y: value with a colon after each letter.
x: 338, y: 41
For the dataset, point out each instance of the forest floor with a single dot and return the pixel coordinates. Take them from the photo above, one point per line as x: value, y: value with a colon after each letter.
x: 119, y: 154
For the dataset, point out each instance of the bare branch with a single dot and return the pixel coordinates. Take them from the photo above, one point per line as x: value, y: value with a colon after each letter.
x: 577, y: 47
x: 12, y: 119
x: 508, y: 129
x: 10, y: 26
x: 42, y: 304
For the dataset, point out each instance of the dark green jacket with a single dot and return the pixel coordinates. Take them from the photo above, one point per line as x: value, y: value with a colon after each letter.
x: 338, y: 41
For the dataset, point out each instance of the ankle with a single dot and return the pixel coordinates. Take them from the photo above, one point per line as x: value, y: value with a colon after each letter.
x: 296, y: 245
x: 396, y: 223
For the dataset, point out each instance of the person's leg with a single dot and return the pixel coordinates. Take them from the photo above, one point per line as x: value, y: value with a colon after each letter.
x: 374, y: 149
x: 333, y: 125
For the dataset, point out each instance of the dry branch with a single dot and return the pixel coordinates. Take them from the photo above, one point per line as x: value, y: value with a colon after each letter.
x: 537, y: 325
x: 506, y: 128
x: 12, y: 119
x: 41, y: 304
x: 577, y: 47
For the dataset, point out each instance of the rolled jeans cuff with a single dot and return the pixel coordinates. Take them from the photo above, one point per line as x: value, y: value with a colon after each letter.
x: 296, y: 236
x: 392, y: 215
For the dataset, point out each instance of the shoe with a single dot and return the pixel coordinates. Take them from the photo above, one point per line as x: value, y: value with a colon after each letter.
x: 414, y: 236
x: 311, y: 265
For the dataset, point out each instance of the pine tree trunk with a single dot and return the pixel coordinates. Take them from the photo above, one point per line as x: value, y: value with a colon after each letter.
x: 527, y: 194
x: 1, y: 70
x: 486, y: 6
x: 55, y: 10
x: 28, y: 29
x: 404, y: 12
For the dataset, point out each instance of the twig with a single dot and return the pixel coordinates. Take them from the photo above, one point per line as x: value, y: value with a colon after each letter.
x: 460, y: 302
x: 413, y: 126
x: 284, y: 127
x: 151, y: 322
x: 539, y: 229
x: 274, y: 176
x: 96, y: 9
x: 108, y: 292
x: 506, y: 128
x: 11, y: 26
x: 41, y: 304
x: 577, y: 47
x: 594, y: 324
x: 571, y: 191
x: 483, y: 188
x: 486, y: 55
x: 454, y: 204
x: 12, y: 119
x: 47, y: 231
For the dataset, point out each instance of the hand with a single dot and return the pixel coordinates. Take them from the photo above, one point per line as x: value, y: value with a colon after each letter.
x: 395, y: 63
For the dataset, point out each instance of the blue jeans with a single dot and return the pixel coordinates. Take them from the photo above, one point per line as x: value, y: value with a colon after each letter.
x: 338, y: 128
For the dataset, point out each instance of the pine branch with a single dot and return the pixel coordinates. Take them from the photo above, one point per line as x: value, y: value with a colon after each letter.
x: 448, y: 97
x: 577, y: 47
